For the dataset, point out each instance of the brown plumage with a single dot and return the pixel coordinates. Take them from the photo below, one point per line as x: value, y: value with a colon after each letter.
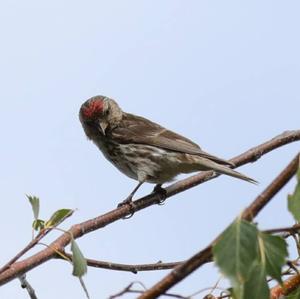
x: 142, y: 149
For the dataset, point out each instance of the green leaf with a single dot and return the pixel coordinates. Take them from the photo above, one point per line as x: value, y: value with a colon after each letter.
x: 38, y: 224
x: 58, y: 217
x: 273, y: 250
x: 35, y: 205
x: 236, y: 250
x: 84, y: 287
x: 294, y: 200
x: 79, y: 262
x: 247, y: 256
x: 256, y: 285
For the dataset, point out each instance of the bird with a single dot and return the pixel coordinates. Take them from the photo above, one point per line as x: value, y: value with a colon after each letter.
x: 144, y: 150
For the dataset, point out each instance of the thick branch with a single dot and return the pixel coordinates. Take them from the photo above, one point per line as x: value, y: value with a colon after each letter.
x: 30, y: 245
x: 83, y: 228
x: 33, y: 242
x: 205, y: 255
x: 287, y: 288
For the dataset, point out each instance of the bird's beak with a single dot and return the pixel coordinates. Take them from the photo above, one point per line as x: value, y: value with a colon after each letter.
x: 103, y: 126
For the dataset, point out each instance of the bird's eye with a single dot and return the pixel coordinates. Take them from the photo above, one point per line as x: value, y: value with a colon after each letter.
x: 88, y: 123
x: 94, y: 126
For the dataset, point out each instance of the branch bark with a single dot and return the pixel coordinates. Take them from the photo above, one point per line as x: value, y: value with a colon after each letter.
x: 287, y: 288
x: 290, y: 230
x: 205, y: 255
x: 78, y: 230
x: 126, y: 267
x: 33, y: 242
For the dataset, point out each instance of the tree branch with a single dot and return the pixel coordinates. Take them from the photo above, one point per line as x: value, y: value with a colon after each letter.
x: 30, y: 245
x: 287, y: 288
x: 205, y: 255
x: 160, y: 265
x: 26, y: 285
x: 78, y: 230
x: 125, y: 267
x: 42, y: 233
x: 129, y: 289
x: 290, y: 230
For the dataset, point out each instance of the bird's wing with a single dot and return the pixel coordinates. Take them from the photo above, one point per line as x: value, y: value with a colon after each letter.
x: 136, y: 129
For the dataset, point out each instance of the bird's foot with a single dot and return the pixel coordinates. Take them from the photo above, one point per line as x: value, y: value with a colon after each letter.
x: 128, y: 202
x: 161, y: 192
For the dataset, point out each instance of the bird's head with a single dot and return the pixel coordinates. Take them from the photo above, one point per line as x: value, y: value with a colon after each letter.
x: 99, y: 113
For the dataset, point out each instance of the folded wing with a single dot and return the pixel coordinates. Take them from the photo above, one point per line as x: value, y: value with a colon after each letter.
x: 139, y: 130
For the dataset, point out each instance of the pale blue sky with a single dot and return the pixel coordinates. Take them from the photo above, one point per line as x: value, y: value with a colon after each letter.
x: 224, y: 73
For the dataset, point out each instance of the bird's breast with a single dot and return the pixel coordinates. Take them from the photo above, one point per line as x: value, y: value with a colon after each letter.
x: 120, y: 158
x: 142, y: 162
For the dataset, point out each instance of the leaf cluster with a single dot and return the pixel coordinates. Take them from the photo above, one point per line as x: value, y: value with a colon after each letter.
x: 248, y: 257
x: 78, y: 260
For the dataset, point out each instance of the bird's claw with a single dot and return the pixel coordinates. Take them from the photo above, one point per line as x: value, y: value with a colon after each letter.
x: 127, y: 202
x: 162, y: 193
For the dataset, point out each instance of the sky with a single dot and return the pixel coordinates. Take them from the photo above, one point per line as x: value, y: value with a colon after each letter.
x: 223, y: 73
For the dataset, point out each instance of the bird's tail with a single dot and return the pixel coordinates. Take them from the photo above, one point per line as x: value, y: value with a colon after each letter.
x: 211, y: 165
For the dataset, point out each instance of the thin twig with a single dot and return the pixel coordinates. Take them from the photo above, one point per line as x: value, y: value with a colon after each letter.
x: 30, y: 245
x: 125, y: 290
x: 290, y: 229
x: 211, y: 289
x: 126, y: 267
x: 42, y: 233
x: 135, y: 268
x: 83, y: 228
x: 205, y: 255
x: 26, y: 285
x: 129, y: 289
x: 170, y: 295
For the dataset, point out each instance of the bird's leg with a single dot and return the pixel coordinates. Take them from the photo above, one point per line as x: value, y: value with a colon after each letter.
x: 161, y: 192
x: 128, y: 200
